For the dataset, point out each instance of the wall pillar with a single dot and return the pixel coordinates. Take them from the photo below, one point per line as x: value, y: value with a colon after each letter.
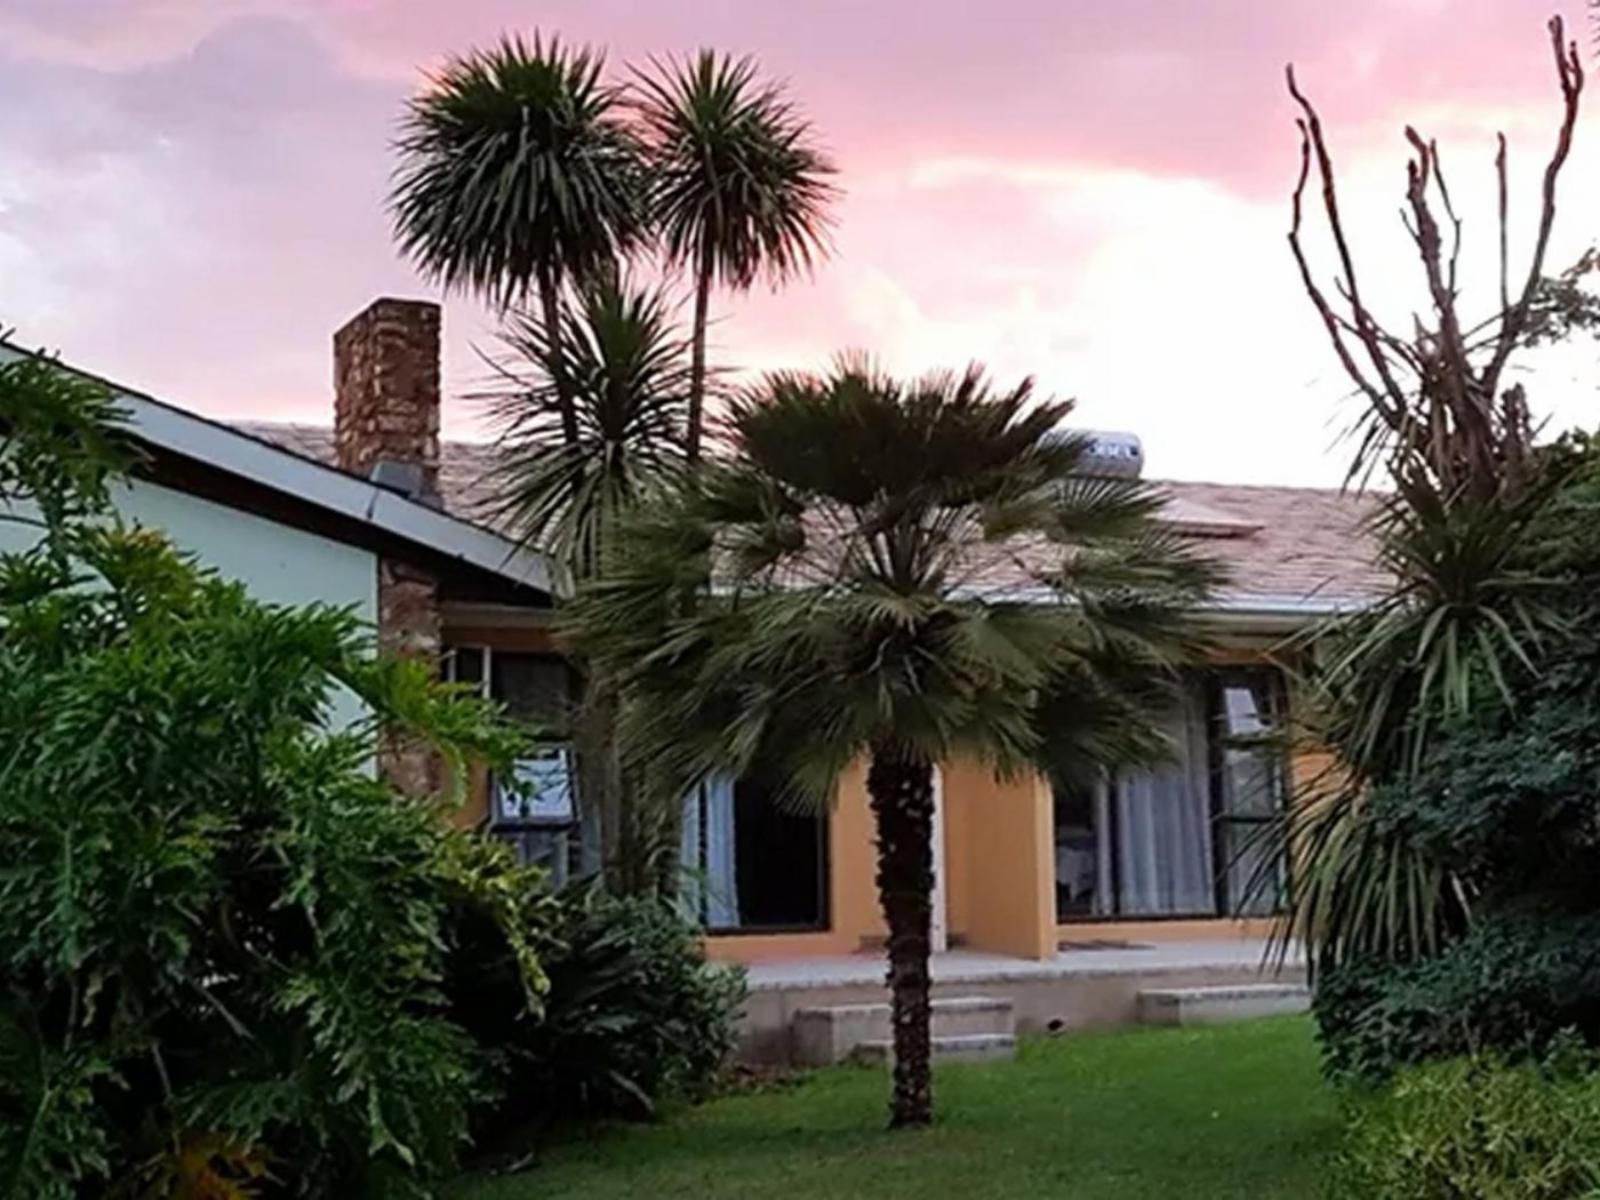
x: 1003, y: 889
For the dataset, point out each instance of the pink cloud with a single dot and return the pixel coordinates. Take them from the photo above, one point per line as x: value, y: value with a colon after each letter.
x: 191, y: 190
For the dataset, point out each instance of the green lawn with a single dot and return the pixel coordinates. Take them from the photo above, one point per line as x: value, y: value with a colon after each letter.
x: 1232, y: 1111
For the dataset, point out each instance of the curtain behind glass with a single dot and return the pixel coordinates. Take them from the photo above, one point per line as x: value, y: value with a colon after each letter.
x: 710, y: 887
x: 1163, y: 846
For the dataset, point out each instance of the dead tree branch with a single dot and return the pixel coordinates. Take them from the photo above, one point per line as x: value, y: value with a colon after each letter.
x: 1436, y: 407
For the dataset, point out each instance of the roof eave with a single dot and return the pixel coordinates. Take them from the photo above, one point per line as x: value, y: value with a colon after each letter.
x: 184, y: 433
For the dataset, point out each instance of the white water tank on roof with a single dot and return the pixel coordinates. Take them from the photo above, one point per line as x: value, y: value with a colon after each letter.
x: 1106, y: 453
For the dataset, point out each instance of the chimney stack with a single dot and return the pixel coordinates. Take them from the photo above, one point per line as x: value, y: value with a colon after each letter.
x: 386, y: 396
x: 386, y: 428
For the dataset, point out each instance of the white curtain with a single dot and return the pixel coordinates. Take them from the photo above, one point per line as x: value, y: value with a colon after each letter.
x: 1163, y: 846
x: 711, y: 887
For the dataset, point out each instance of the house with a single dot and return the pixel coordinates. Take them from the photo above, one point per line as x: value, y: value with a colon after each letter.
x: 364, y: 530
x: 377, y: 512
x: 1020, y: 868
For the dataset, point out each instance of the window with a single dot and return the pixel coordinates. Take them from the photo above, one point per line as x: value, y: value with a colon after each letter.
x: 1249, y: 783
x: 1186, y: 839
x: 751, y: 864
x: 541, y: 820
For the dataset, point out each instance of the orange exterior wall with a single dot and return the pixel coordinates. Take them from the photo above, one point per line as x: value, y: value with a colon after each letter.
x: 999, y: 858
x: 999, y: 873
x: 1000, y: 882
x: 1000, y: 861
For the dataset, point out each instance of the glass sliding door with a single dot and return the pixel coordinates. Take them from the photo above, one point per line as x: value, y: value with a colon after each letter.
x: 1250, y: 786
x: 1162, y: 819
x: 1189, y: 837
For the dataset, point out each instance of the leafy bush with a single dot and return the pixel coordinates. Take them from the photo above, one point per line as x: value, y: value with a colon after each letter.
x: 222, y: 936
x: 1514, y: 984
x: 1476, y: 1129
x: 634, y: 1014
x: 214, y: 917
x: 1471, y: 858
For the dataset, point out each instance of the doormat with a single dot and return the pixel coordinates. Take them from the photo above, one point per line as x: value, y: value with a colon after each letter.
x: 1104, y: 944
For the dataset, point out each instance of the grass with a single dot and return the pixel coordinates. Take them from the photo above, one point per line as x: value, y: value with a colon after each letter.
x: 1234, y: 1111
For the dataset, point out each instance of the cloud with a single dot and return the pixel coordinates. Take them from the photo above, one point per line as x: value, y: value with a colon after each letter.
x: 192, y: 191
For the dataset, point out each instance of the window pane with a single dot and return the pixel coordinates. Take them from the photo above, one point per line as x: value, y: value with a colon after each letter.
x: 1252, y: 868
x: 1161, y: 817
x: 778, y: 861
x: 1078, y: 852
x: 750, y: 864
x: 465, y: 665
x: 1250, y: 778
x: 533, y: 687
x: 1249, y: 758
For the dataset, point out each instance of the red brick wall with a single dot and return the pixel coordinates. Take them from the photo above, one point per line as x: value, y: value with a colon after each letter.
x: 386, y: 389
x: 386, y: 409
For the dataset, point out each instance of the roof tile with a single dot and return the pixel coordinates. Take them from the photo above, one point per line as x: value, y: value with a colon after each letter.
x: 1280, y: 545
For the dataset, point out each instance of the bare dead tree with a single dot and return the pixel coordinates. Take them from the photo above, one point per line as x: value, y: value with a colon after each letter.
x: 1438, y: 410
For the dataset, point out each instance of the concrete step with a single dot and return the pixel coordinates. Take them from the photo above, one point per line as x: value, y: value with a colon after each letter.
x: 1221, y: 1004
x: 965, y: 1047
x: 825, y: 1035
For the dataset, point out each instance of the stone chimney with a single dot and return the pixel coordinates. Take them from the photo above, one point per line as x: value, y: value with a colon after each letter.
x: 386, y: 396
x: 386, y: 428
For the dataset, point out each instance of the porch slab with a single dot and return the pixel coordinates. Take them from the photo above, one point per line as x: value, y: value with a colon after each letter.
x: 1076, y: 989
x: 974, y: 966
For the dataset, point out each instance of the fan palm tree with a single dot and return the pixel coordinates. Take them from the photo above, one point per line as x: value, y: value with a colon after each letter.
x: 738, y: 188
x: 626, y: 366
x: 518, y: 172
x: 904, y: 572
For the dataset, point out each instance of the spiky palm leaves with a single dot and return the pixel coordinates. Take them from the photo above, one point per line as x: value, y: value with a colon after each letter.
x: 738, y: 188
x: 1480, y: 598
x: 905, y: 571
x: 627, y: 372
x: 518, y: 172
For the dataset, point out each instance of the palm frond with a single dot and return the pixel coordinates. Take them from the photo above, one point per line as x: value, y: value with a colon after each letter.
x: 516, y: 163
x: 836, y: 606
x: 738, y: 183
x: 625, y: 367
x: 1363, y: 889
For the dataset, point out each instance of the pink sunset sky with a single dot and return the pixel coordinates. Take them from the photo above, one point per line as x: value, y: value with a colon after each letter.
x: 1093, y: 192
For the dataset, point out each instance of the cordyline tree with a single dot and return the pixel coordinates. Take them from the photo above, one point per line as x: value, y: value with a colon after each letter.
x: 902, y: 571
x: 521, y: 179
x: 527, y: 179
x: 738, y: 189
x: 1466, y: 608
x: 519, y: 173
x: 627, y: 369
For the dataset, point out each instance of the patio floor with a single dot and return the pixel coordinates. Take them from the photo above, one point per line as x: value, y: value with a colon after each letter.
x: 974, y: 966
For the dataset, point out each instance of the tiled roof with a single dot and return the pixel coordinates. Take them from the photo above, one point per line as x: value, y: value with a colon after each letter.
x: 1283, y: 546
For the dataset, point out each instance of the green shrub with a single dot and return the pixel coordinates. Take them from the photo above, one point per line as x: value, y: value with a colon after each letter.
x: 223, y: 936
x: 1476, y: 1129
x: 1514, y: 983
x: 634, y: 1015
x: 215, y: 919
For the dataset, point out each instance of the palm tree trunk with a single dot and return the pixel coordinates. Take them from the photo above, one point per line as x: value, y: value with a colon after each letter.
x: 599, y: 776
x: 697, y: 364
x: 901, y: 792
x: 550, y: 308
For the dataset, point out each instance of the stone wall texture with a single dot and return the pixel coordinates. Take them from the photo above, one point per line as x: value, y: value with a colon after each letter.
x: 386, y: 389
x: 386, y: 409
